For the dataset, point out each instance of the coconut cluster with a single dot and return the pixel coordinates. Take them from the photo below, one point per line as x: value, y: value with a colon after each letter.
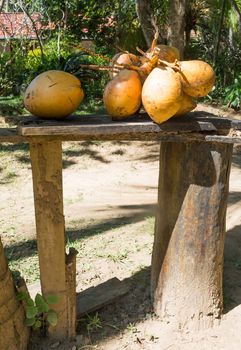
x: 158, y: 80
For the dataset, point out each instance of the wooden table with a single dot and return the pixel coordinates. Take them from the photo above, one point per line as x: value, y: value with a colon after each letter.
x: 187, y: 258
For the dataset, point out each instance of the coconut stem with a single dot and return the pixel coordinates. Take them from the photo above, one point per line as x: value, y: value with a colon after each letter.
x: 96, y: 67
x: 92, y: 53
x: 141, y: 51
x: 174, y: 65
x: 122, y: 50
x: 116, y: 68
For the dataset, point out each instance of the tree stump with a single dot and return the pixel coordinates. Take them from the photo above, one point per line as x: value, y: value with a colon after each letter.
x: 14, y: 335
x: 187, y: 259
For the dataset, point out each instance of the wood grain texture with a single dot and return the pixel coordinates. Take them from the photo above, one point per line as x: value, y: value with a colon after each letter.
x: 187, y: 259
x: 46, y: 159
x: 71, y: 291
x: 10, y: 135
x: 13, y: 332
x: 139, y: 127
x: 97, y: 297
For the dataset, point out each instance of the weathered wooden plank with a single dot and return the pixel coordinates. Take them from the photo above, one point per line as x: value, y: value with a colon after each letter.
x: 105, y: 293
x: 95, y: 126
x: 10, y: 135
x: 187, y: 259
x: 234, y: 136
x: 165, y: 137
x: 46, y: 159
x: 71, y: 291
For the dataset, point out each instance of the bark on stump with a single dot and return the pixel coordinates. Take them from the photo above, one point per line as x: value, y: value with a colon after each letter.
x: 187, y: 259
x: 14, y: 335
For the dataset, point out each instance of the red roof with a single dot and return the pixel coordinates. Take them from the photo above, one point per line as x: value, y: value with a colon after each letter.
x: 18, y: 25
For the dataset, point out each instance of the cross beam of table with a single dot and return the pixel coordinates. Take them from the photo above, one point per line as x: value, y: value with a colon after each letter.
x: 187, y: 258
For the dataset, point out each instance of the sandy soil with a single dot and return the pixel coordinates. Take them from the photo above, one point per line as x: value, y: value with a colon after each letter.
x: 110, y: 192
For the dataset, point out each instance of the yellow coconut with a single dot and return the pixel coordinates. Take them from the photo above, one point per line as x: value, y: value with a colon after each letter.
x: 161, y: 94
x: 122, y: 95
x: 187, y: 104
x: 124, y: 58
x: 53, y: 94
x: 197, y: 77
x: 166, y: 53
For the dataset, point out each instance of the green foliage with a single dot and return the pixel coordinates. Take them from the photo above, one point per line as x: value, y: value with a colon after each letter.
x: 38, y: 312
x: 11, y: 105
x: 233, y: 94
x: 227, y: 64
x: 93, y: 322
x: 93, y: 82
x: 12, y: 70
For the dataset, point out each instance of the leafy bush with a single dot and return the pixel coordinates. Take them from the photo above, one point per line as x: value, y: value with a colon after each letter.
x: 93, y: 82
x: 232, y: 94
x: 38, y: 311
x: 64, y: 54
x: 12, y: 68
x: 227, y: 68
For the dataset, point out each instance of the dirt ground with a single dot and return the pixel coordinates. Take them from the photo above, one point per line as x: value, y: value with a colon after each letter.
x: 110, y: 193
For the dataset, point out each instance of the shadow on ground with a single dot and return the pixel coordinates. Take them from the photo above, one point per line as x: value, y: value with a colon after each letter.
x: 129, y: 310
x: 237, y: 156
x: 28, y: 248
x: 232, y: 269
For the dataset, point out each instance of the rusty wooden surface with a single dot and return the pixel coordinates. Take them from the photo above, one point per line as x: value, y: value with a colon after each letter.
x: 187, y: 259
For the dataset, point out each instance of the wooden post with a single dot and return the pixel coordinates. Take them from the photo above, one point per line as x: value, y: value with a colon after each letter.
x: 71, y: 292
x: 187, y: 259
x: 46, y: 158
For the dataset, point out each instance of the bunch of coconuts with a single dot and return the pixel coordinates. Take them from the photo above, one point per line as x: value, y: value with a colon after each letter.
x: 165, y: 86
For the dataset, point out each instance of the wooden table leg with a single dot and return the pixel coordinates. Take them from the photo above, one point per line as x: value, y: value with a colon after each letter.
x: 187, y: 259
x: 46, y: 161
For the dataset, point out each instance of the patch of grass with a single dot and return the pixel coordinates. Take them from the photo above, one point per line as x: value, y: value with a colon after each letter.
x: 13, y: 158
x: 12, y: 105
x: 28, y: 268
x: 93, y: 323
x: 119, y: 257
x: 115, y: 240
x: 132, y: 328
x: 91, y: 106
x: 8, y: 177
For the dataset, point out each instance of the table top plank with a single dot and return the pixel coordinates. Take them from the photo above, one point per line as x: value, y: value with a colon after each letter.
x: 194, y: 121
x: 193, y: 126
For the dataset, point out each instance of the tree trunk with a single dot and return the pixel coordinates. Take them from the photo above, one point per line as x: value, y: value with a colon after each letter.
x: 187, y: 260
x: 237, y: 10
x: 176, y: 27
x: 220, y: 26
x: 14, y: 334
x: 147, y: 21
